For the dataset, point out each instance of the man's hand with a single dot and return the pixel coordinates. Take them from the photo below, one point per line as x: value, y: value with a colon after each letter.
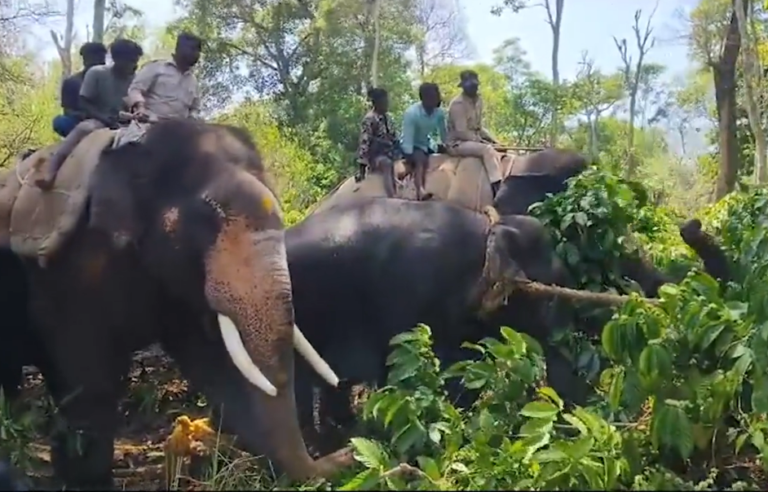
x: 111, y: 122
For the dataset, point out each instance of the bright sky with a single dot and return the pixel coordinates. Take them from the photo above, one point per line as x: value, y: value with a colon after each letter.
x: 587, y: 25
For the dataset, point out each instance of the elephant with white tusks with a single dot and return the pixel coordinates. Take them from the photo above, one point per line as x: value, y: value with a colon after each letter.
x: 182, y: 243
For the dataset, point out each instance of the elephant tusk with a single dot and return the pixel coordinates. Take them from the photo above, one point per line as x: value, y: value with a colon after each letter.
x: 308, y: 352
x: 243, y: 361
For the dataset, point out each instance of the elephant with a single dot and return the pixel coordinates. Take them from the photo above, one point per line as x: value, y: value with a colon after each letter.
x: 181, y: 243
x: 388, y: 264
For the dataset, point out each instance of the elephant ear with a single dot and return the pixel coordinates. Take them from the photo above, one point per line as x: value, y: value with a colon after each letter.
x: 112, y: 197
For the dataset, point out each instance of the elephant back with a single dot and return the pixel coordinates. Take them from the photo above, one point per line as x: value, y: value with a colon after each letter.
x: 37, y: 222
x: 459, y: 180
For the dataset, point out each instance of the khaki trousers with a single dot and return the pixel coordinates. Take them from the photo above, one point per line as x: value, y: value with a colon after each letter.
x: 491, y: 158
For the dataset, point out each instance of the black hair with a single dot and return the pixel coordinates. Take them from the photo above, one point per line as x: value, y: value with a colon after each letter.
x: 428, y: 88
x: 190, y: 38
x: 376, y: 95
x: 93, y: 49
x: 125, y: 49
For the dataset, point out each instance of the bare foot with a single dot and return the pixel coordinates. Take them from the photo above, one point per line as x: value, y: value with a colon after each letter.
x: 426, y: 196
x: 44, y: 182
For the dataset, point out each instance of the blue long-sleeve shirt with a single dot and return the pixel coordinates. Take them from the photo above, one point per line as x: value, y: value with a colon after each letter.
x: 70, y: 94
x: 418, y: 127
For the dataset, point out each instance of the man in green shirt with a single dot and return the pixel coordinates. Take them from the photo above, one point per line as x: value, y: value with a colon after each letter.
x: 421, y: 121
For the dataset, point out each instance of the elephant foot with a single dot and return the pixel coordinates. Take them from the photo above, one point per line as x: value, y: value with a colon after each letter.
x: 83, y: 462
x: 331, y: 464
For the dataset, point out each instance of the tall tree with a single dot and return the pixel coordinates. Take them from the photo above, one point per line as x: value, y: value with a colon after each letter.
x: 715, y: 40
x: 99, y: 14
x: 443, y: 38
x: 554, y: 10
x: 632, y: 77
x: 596, y: 93
x: 64, y: 43
x: 753, y: 80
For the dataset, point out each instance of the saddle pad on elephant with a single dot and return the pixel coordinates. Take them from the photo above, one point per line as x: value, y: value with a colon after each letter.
x: 41, y: 220
x: 460, y: 180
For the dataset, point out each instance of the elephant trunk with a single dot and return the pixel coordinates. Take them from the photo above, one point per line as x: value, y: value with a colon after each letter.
x: 248, y: 284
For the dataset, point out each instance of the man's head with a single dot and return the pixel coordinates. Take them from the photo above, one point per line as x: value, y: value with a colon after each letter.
x: 379, y: 99
x: 469, y: 82
x: 125, y: 56
x: 429, y: 94
x: 188, y: 49
x: 93, y: 54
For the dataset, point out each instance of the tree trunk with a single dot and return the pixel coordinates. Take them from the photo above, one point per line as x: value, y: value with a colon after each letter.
x: 555, y: 22
x: 752, y: 82
x: 724, y: 76
x: 376, y: 5
x: 65, y: 49
x: 99, y: 12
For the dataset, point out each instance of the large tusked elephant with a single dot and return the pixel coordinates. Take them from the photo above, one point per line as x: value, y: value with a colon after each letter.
x: 182, y: 243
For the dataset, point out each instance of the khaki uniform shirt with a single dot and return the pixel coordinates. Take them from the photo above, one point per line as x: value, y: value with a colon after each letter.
x: 465, y: 120
x: 165, y: 91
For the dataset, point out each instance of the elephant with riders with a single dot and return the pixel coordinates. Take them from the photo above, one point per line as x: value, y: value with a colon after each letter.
x: 179, y: 240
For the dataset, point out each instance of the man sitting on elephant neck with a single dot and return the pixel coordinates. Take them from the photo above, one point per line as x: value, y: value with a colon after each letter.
x: 92, y: 54
x: 379, y: 146
x: 421, y: 121
x: 101, y: 98
x: 466, y: 135
x: 167, y: 89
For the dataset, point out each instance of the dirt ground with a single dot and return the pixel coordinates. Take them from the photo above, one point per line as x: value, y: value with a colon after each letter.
x: 157, y: 395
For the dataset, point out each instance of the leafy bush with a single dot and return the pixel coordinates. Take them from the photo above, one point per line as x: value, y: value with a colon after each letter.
x: 680, y: 402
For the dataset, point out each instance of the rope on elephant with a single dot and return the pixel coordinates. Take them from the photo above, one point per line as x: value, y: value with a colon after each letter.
x: 492, y: 214
x: 536, y: 288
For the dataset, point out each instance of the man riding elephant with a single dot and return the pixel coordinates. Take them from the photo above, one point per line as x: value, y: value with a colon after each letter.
x: 420, y: 121
x: 466, y: 135
x: 92, y: 54
x: 165, y: 89
x: 102, y: 99
x: 378, y: 146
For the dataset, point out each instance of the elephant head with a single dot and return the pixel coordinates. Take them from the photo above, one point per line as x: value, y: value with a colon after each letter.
x: 191, y: 203
x: 519, y: 250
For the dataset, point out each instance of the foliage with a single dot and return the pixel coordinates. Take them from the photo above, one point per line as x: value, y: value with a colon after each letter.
x: 680, y: 404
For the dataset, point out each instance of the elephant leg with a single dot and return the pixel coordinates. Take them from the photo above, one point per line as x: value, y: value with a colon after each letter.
x: 85, y: 371
x: 357, y: 361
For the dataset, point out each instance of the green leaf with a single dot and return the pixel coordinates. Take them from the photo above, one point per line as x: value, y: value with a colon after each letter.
x: 616, y: 388
x: 429, y: 467
x: 580, y: 448
x: 760, y: 397
x: 434, y: 434
x: 547, y: 455
x: 365, y: 480
x: 539, y: 410
x: 552, y: 395
x: 370, y: 453
x: 672, y: 428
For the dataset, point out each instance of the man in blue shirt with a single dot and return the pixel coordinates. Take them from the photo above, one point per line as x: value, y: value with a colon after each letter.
x: 421, y: 121
x: 93, y: 54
